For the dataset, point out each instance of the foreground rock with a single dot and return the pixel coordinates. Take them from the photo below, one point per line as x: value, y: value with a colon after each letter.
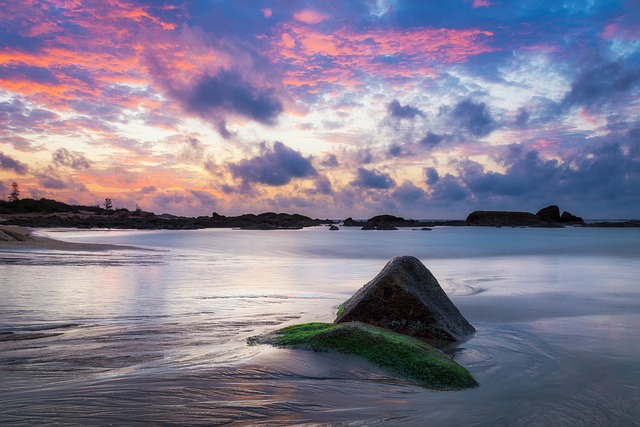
x: 402, y: 355
x: 405, y: 297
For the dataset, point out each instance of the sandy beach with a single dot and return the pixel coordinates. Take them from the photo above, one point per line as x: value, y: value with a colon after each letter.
x: 21, y: 238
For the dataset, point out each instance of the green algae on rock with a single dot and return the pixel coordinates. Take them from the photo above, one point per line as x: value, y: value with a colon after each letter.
x: 402, y: 355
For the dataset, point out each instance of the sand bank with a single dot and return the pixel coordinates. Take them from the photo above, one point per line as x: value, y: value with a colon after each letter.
x: 22, y: 238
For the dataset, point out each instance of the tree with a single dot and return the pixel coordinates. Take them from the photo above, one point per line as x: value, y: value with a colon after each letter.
x: 15, y: 193
x: 107, y: 204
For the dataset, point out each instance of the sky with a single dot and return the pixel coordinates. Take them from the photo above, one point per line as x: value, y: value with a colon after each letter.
x: 422, y: 109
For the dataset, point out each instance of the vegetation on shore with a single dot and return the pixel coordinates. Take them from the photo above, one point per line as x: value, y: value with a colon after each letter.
x: 402, y: 355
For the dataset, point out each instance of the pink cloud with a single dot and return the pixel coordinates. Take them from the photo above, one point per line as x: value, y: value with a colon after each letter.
x: 346, y: 57
x: 266, y: 12
x: 620, y: 31
x: 308, y: 16
x: 481, y: 3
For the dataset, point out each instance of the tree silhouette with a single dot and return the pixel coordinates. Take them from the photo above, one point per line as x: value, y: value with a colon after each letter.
x: 15, y: 193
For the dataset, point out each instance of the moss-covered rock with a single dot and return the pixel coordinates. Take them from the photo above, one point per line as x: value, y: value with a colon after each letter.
x: 400, y: 354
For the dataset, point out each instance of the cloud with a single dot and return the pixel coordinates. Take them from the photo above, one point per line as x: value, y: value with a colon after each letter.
x: 276, y: 166
x: 603, y: 83
x: 323, y: 186
x: 474, y: 117
x: 347, y: 57
x: 330, y: 161
x: 204, y: 198
x: 16, y: 116
x: 19, y: 143
x: 74, y: 160
x: 193, y: 150
x: 449, y: 188
x: 603, y: 171
x: 51, y: 182
x: 373, y: 179
x: 148, y: 189
x: 432, y: 140
x: 309, y: 16
x: 399, y: 111
x: 24, y: 72
x: 399, y: 151
x: 7, y: 162
x: 408, y: 193
x: 228, y: 94
x: 432, y: 175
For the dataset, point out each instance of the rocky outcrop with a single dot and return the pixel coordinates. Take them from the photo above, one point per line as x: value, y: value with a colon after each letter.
x: 49, y: 213
x: 545, y: 217
x: 568, y: 218
x: 503, y: 219
x: 391, y: 222
x: 549, y: 214
x: 405, y: 297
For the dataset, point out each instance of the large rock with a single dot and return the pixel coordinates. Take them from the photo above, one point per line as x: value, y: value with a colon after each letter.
x: 405, y: 297
x: 503, y: 218
x: 549, y: 214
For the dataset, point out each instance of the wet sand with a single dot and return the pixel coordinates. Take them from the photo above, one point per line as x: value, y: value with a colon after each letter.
x: 21, y: 238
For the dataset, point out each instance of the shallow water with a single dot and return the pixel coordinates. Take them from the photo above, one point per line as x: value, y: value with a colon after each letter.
x: 159, y: 337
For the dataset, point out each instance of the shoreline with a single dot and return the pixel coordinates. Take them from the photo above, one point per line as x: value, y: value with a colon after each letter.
x: 23, y: 238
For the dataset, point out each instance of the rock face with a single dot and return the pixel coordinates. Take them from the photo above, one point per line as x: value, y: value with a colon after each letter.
x: 405, y: 297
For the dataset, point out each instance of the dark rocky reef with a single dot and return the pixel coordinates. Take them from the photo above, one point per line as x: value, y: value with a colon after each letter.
x: 406, y: 298
x: 390, y: 222
x: 52, y: 214
x: 545, y: 217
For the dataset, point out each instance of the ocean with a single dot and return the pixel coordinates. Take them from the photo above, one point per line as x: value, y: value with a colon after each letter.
x: 157, y: 336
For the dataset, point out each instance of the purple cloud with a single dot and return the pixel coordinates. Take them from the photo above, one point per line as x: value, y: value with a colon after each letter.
x: 74, y: 160
x: 7, y: 162
x: 432, y: 140
x: 603, y: 83
x: 204, y: 198
x: 473, y: 117
x: 432, y: 175
x: 51, y: 182
x: 399, y: 111
x: 148, y: 189
x: 408, y: 193
x: 228, y: 94
x: 373, y: 179
x: 276, y: 166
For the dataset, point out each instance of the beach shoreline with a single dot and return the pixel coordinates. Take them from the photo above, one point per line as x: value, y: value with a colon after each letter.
x: 24, y: 238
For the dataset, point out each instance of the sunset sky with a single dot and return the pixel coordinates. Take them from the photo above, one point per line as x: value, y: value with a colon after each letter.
x: 424, y: 109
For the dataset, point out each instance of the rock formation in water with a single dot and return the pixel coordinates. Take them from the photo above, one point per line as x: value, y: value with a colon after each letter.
x: 405, y: 297
x: 545, y: 217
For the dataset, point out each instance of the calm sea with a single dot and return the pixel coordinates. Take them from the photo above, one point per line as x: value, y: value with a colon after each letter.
x: 158, y: 337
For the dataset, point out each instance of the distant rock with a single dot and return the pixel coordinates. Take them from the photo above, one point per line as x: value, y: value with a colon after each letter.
x: 545, y: 217
x: 405, y: 297
x: 350, y: 222
x: 549, y: 214
x: 568, y: 218
x: 503, y: 219
x: 334, y: 228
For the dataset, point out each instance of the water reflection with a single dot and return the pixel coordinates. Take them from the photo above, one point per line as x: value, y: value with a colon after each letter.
x: 159, y: 337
